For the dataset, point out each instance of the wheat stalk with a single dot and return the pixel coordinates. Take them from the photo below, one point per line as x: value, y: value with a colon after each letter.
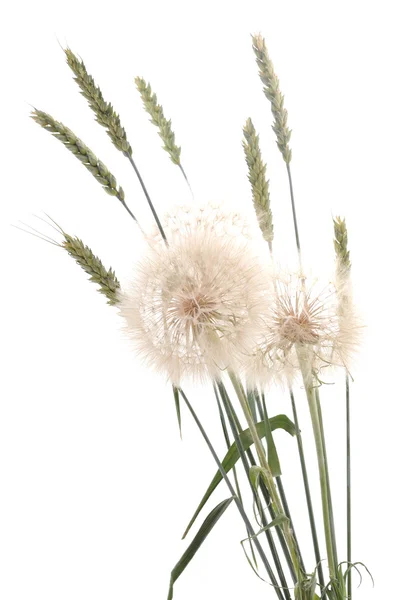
x: 341, y: 243
x: 274, y: 95
x: 156, y: 113
x: 108, y: 118
x: 91, y: 264
x: 343, y: 273
x: 82, y: 152
x: 104, y: 112
x: 258, y: 181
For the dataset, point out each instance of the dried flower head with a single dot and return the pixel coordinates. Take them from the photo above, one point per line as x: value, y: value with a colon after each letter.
x: 306, y: 320
x: 196, y: 304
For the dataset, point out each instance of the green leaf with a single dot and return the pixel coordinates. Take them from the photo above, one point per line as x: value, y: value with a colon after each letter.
x: 275, y: 523
x: 198, y: 540
x: 306, y: 589
x: 178, y: 410
x: 255, y: 473
x: 232, y: 456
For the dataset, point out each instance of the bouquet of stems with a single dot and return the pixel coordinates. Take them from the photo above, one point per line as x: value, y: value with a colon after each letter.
x: 208, y: 303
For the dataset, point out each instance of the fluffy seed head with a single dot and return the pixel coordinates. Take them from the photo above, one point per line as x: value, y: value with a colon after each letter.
x: 306, y: 316
x: 196, y: 304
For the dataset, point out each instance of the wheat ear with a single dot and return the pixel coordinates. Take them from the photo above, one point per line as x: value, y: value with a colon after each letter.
x: 108, y: 118
x: 156, y: 113
x: 91, y: 264
x: 341, y: 243
x: 258, y: 181
x: 104, y: 112
x: 273, y: 94
x: 83, y: 153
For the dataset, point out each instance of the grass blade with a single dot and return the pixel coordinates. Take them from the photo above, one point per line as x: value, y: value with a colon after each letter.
x: 232, y: 456
x: 198, y: 540
x: 178, y: 409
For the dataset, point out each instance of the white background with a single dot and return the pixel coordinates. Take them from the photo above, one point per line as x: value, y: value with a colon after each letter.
x: 96, y: 487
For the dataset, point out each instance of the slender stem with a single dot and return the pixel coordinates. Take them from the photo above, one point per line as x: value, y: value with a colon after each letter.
x: 227, y: 440
x: 128, y: 210
x: 151, y: 206
x: 307, y: 493
x: 296, y: 232
x: 319, y: 408
x: 262, y: 408
x: 235, y: 497
x: 253, y: 404
x: 348, y: 435
x: 186, y: 179
x: 309, y: 388
x: 285, y: 505
x: 227, y: 405
x: 264, y: 491
x: 267, y: 472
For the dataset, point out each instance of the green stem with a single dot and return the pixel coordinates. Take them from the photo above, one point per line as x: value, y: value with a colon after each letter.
x: 227, y: 440
x: 308, y: 494
x: 286, y: 509
x: 252, y: 399
x: 128, y: 210
x: 270, y: 481
x: 230, y: 414
x: 151, y: 206
x: 234, y: 470
x: 296, y: 232
x: 235, y: 497
x: 262, y: 408
x: 319, y: 408
x: 348, y: 435
x: 263, y: 489
x: 186, y: 179
x: 310, y: 391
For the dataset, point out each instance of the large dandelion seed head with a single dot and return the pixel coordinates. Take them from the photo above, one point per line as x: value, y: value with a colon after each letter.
x: 197, y: 304
x: 308, y: 320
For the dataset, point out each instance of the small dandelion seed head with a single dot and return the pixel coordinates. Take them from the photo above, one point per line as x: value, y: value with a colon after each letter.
x: 306, y: 315
x: 197, y: 304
